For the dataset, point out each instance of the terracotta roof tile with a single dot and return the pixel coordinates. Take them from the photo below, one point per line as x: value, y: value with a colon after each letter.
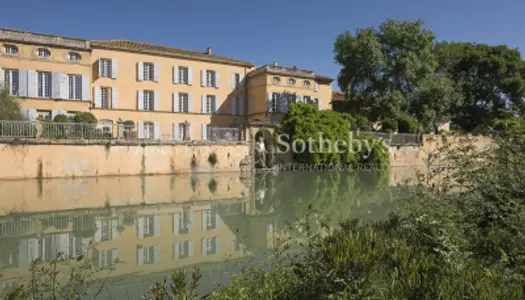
x: 145, y: 48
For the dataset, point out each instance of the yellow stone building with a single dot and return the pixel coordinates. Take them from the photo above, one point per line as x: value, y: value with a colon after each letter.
x: 168, y: 93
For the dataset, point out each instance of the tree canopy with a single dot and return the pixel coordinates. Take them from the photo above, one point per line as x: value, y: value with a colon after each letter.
x: 400, y: 69
x: 9, y: 107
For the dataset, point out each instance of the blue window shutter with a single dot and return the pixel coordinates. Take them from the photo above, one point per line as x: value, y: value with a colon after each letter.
x: 114, y: 98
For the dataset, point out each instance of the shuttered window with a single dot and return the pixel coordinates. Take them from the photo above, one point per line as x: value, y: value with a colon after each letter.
x: 183, y: 102
x: 105, y: 67
x: 10, y: 49
x: 43, y: 52
x: 75, y: 87
x: 211, y: 78
x: 11, y: 81
x: 44, y: 84
x: 183, y: 75
x: 104, y: 97
x: 210, y: 104
x: 273, y: 102
x: 149, y: 71
x: 149, y: 100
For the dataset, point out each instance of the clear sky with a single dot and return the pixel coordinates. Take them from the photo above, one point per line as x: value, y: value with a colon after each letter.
x: 291, y: 32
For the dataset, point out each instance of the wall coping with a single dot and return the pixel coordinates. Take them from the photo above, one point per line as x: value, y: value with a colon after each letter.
x: 29, y: 141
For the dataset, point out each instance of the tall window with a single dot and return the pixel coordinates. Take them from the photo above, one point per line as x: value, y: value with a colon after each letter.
x: 210, y: 245
x: 43, y: 52
x: 211, y: 78
x: 75, y: 56
x: 148, y: 71
x: 75, y: 87
x: 273, y: 102
x: 44, y: 84
x: 11, y: 81
x: 183, y: 249
x: 105, y: 230
x: 183, y: 102
x: 105, y: 67
x: 148, y: 100
x: 237, y: 79
x: 104, y: 97
x: 149, y: 129
x: 149, y: 255
x: 291, y: 81
x: 210, y: 104
x: 183, y: 75
x: 10, y: 49
x: 307, y: 99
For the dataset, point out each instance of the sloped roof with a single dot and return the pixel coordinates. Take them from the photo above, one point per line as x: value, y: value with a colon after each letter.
x: 139, y: 47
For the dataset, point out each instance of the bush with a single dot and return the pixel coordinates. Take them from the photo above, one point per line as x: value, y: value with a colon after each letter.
x: 129, y: 124
x: 389, y: 125
x: 9, y: 106
x: 504, y: 124
x: 61, y: 119
x: 85, y: 117
x: 362, y: 123
x: 407, y: 125
x: 212, y: 158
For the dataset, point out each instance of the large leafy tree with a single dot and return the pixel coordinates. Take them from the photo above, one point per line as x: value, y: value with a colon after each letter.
x: 491, y: 79
x: 390, y: 72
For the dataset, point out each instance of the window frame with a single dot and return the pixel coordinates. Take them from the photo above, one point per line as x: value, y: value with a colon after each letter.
x: 149, y: 134
x: 43, y: 53
x: 74, y: 84
x: 184, y: 73
x: 105, y: 103
x: 306, y: 83
x: 292, y: 82
x: 10, y: 46
x: 276, y: 80
x: 275, y: 98
x: 211, y: 78
x: 184, y: 99
x: 149, y: 101
x: 211, y: 104
x: 106, y: 65
x: 148, y: 71
x: 74, y: 56
x: 44, y: 84
x: 237, y: 78
x: 11, y: 81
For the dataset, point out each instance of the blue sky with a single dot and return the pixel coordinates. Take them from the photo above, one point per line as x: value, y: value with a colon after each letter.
x: 290, y: 32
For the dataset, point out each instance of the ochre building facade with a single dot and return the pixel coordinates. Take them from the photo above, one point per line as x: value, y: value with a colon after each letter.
x: 167, y: 93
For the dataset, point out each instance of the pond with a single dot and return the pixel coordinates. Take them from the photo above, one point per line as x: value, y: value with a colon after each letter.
x: 140, y: 229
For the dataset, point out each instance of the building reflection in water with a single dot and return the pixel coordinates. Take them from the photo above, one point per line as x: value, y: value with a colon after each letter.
x: 146, y: 227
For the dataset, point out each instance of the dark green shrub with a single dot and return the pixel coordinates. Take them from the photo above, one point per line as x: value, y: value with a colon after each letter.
x: 407, y: 125
x: 129, y: 124
x: 212, y: 159
x: 362, y: 123
x: 61, y: 119
x: 389, y: 125
x: 85, y: 117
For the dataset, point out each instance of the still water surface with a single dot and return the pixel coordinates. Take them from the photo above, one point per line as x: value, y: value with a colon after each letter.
x: 154, y: 225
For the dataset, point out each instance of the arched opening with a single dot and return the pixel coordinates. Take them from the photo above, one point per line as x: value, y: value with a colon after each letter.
x: 264, y: 152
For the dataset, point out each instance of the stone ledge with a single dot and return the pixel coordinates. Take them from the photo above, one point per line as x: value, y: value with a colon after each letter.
x: 29, y: 141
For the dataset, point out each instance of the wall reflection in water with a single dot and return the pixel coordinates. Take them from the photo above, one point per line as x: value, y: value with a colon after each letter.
x: 145, y: 227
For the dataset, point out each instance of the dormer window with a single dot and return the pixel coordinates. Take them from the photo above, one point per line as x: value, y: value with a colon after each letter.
x: 306, y: 83
x: 276, y: 80
x: 291, y: 81
x: 10, y: 49
x: 74, y: 56
x: 43, y: 52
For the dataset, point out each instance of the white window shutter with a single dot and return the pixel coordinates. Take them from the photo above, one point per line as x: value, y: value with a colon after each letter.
x: 190, y: 76
x: 98, y: 232
x: 55, y: 85
x: 140, y: 99
x: 156, y: 72
x: 176, y: 107
x: 140, y: 256
x: 140, y: 220
x: 175, y: 75
x: 176, y: 138
x: 299, y: 98
x: 319, y: 103
x: 217, y: 104
x: 175, y: 248
x: 232, y: 84
x: 97, y: 96
x: 190, y: 103
x: 156, y: 130
x: 31, y: 84
x: 156, y: 100
x: 269, y: 102
x: 217, y: 79
x: 234, y: 106
x: 241, y: 81
x: 86, y: 84
x: 32, y: 115
x: 99, y: 68
x: 241, y: 106
x: 140, y: 135
x: 204, y: 135
x: 114, y: 98
x: 2, y: 76
x: 316, y: 87
x: 204, y: 218
x: 140, y: 71
x: 114, y: 68
x: 64, y: 87
x: 203, y: 104
x: 217, y: 220
x: 203, y: 247
x: 203, y: 78
x: 22, y: 82
x: 156, y: 225
x: 190, y: 137
x: 114, y: 229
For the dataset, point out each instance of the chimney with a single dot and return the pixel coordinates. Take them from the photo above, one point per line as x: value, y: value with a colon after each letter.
x: 208, y: 51
x: 275, y: 64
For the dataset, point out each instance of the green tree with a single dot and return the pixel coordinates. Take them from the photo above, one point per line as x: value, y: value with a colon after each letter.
x: 389, y: 71
x: 407, y: 124
x: 85, y: 117
x: 9, y: 106
x: 491, y: 80
x: 61, y: 119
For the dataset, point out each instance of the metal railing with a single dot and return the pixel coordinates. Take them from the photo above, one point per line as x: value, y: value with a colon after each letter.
x: 74, y: 131
x: 224, y: 134
x: 24, y: 129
